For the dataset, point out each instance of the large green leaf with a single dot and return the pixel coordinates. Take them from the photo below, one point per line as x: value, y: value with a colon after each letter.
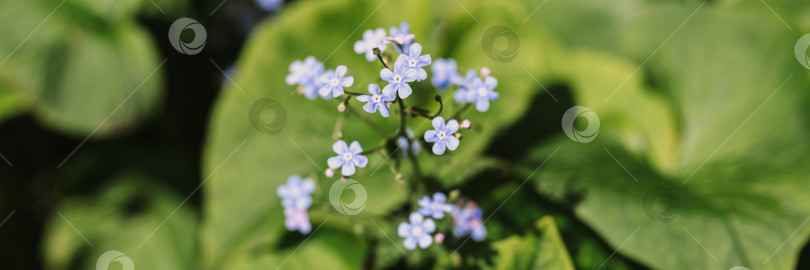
x: 140, y: 220
x: 701, y: 152
x: 88, y: 67
x: 545, y: 250
x: 247, y: 165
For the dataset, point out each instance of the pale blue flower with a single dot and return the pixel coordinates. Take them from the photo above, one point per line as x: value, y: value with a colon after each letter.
x: 333, y: 82
x: 371, y: 39
x: 295, y: 193
x: 417, y: 232
x: 306, y: 74
x: 466, y: 84
x: 398, y: 79
x: 401, y: 36
x: 442, y: 135
x: 480, y: 92
x: 375, y: 101
x: 435, y: 207
x: 468, y: 221
x: 445, y: 73
x: 403, y: 144
x: 414, y: 60
x: 297, y: 220
x: 270, y: 5
x: 348, y: 157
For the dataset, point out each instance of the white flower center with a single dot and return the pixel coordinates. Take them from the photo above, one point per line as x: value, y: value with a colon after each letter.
x: 376, y: 98
x: 482, y: 91
x: 416, y: 231
x: 397, y: 79
x: 347, y: 156
x: 441, y: 135
x: 412, y: 62
x: 334, y: 82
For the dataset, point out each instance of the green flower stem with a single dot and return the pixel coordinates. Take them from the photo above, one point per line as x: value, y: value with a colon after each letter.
x: 461, y: 110
x: 368, y: 121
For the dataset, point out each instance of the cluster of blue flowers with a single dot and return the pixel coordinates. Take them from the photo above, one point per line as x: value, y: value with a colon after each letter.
x: 409, y: 67
x: 295, y: 198
x: 471, y: 88
x: 417, y: 232
x: 313, y: 81
x: 475, y: 89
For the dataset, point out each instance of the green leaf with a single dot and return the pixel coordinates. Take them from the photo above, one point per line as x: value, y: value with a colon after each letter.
x: 247, y: 166
x: 535, y: 58
x: 96, y: 75
x: 545, y: 250
x: 127, y: 216
x: 702, y: 151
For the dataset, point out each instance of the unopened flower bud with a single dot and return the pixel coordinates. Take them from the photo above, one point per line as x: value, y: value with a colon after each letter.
x: 466, y: 124
x: 457, y: 135
x: 399, y: 178
x: 485, y: 72
x: 329, y: 173
x: 376, y: 51
x: 342, y: 107
x: 439, y: 238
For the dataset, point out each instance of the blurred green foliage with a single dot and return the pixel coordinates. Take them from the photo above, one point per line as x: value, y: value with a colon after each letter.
x: 704, y: 100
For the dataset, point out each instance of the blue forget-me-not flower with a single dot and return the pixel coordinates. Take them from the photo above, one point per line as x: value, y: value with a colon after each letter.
x: 401, y: 36
x: 398, y: 79
x: 348, y: 157
x: 414, y: 60
x: 371, y: 39
x: 333, y: 82
x: 417, y: 232
x: 442, y: 135
x: 480, y: 92
x: 376, y: 101
x: 297, y: 219
x: 468, y: 221
x: 435, y: 207
x: 295, y: 194
x: 306, y: 74
x: 445, y: 73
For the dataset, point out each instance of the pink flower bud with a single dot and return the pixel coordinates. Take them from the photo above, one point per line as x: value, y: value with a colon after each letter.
x: 466, y: 124
x: 329, y: 173
x: 485, y: 72
x: 342, y: 107
x: 439, y: 238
